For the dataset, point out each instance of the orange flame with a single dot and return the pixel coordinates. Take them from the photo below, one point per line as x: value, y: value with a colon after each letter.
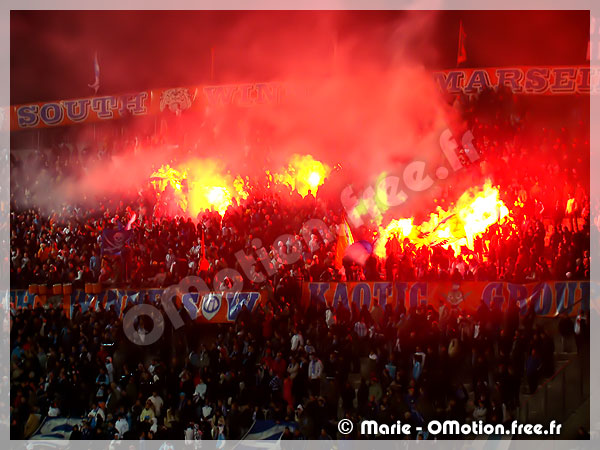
x: 201, y: 184
x: 207, y: 187
x: 570, y: 206
x: 303, y: 173
x: 239, y: 185
x: 475, y: 211
x: 169, y: 176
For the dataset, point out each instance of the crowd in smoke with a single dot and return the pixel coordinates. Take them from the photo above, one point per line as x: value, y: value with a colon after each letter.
x: 367, y: 107
x: 546, y: 238
x: 373, y: 86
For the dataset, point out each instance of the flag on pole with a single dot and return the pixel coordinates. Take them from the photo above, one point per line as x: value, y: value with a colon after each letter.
x: 96, y: 85
x: 113, y: 241
x: 462, y: 51
x: 589, y: 50
x: 131, y: 221
x: 335, y: 51
x: 203, y: 261
x: 592, y: 32
x: 212, y: 64
x: 345, y: 239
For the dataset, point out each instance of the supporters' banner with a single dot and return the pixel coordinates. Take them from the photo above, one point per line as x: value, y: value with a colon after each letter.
x: 521, y: 80
x: 70, y: 112
x: 218, y: 307
x: 113, y: 241
x: 173, y: 101
x: 23, y: 299
x: 56, y: 428
x: 213, y: 307
x: 250, y: 94
x: 549, y: 298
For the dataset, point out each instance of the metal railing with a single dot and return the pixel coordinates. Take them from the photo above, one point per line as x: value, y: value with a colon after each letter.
x: 557, y: 397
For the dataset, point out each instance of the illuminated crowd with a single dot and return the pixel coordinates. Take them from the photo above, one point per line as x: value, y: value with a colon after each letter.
x: 67, y: 248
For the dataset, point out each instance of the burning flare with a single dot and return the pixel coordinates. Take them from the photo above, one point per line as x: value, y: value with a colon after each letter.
x: 167, y: 176
x: 198, y: 185
x: 475, y: 211
x: 303, y: 173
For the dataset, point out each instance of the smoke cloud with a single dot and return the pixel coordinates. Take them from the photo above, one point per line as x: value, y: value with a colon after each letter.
x: 370, y: 107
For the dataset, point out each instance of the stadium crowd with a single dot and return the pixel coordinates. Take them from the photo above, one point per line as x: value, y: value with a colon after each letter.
x: 542, y: 241
x: 279, y: 362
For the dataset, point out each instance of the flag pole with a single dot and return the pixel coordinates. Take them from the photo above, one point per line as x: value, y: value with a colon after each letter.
x: 459, y: 42
x: 461, y: 55
x: 212, y: 64
x: 334, y: 58
x: 203, y: 262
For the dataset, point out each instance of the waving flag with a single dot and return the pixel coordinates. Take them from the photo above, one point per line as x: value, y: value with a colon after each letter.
x: 113, y: 241
x: 268, y: 430
x: 462, y: 51
x: 56, y: 428
x: 204, y: 266
x: 359, y: 252
x: 345, y: 239
x: 221, y: 440
x: 131, y: 221
x: 589, y: 50
x: 96, y: 84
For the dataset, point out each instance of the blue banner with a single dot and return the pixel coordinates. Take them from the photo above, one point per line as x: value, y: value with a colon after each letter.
x: 212, y: 307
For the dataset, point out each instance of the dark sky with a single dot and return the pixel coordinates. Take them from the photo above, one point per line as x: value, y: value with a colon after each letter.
x: 52, y: 51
